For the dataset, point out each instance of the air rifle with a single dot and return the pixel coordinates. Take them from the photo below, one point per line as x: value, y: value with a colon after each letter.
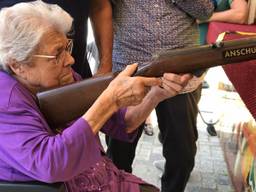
x: 64, y: 104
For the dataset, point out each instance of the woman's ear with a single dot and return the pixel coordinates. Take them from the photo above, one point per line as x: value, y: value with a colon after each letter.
x: 17, y: 68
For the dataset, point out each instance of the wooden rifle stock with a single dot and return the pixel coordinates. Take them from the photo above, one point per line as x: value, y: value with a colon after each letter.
x: 64, y: 104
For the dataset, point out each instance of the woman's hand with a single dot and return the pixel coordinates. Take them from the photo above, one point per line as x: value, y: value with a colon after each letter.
x: 172, y: 84
x: 123, y: 91
x: 129, y: 91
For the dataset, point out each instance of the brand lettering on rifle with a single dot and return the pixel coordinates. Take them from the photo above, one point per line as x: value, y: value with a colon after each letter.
x: 239, y: 52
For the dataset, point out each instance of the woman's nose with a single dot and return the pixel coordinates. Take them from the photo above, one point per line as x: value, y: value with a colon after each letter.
x: 69, y: 59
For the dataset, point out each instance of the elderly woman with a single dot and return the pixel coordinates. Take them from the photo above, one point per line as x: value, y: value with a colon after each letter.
x: 35, y: 56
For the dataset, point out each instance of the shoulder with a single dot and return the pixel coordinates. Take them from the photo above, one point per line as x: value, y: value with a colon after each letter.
x: 13, y: 94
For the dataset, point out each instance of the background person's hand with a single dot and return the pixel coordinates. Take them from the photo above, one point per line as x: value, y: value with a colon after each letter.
x: 130, y: 91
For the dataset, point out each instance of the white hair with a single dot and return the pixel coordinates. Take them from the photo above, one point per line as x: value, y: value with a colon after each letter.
x: 23, y: 25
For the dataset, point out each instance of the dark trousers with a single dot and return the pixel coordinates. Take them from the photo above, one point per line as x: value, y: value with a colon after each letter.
x: 122, y: 153
x: 177, y: 123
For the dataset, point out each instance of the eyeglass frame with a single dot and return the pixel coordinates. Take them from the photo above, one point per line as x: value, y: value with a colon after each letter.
x: 68, y: 48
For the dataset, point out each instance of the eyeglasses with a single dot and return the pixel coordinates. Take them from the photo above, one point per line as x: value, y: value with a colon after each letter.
x: 60, y: 56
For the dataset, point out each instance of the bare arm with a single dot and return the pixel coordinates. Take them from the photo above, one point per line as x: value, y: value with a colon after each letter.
x: 238, y: 13
x: 101, y: 19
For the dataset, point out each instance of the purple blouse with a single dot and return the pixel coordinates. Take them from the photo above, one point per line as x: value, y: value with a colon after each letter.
x: 29, y: 150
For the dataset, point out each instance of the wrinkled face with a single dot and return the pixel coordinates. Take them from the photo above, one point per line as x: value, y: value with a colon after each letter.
x: 47, y: 72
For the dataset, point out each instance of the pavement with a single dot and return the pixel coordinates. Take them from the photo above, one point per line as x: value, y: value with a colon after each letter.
x: 210, y: 172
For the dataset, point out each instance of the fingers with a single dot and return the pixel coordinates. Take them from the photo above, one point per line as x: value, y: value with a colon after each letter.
x: 129, y: 70
x: 149, y: 82
x: 171, y: 87
x: 174, y: 83
x: 178, y: 79
x: 129, y: 91
x: 186, y: 77
x: 142, y: 85
x: 172, y: 77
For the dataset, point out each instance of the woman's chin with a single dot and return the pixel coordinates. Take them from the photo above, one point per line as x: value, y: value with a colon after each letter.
x: 66, y: 79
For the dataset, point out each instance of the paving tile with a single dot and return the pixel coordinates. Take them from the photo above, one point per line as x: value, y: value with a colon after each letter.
x: 225, y: 188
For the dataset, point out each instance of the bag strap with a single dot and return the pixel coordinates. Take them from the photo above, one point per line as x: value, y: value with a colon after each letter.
x: 221, y: 36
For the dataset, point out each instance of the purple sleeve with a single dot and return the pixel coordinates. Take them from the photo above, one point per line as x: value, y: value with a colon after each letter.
x: 26, y: 146
x: 116, y: 127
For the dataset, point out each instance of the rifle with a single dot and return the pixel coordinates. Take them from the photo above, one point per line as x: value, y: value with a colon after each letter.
x: 64, y: 104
